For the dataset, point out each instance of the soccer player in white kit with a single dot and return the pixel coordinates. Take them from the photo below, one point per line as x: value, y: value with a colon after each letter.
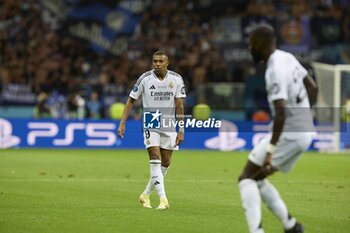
x: 162, y: 93
x: 290, y: 91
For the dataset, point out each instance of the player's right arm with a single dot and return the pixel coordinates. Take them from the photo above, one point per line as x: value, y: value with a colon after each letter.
x: 277, y: 128
x: 134, y: 95
x: 126, y: 112
x: 311, y: 89
x: 278, y: 121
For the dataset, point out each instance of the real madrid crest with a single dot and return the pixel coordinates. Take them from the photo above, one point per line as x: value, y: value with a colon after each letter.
x: 171, y: 85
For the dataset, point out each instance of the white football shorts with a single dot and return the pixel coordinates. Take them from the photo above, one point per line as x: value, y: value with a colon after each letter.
x: 165, y: 140
x: 287, y: 152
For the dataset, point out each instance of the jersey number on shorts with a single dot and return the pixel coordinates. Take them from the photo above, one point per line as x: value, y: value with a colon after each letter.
x: 147, y: 134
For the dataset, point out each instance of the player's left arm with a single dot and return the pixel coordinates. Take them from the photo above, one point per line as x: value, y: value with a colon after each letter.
x: 311, y: 89
x: 179, y: 110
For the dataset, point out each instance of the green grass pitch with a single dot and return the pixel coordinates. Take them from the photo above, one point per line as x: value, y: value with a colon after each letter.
x: 97, y: 191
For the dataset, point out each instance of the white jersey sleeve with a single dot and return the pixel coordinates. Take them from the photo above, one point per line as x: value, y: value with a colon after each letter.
x: 138, y: 88
x: 284, y: 80
x: 180, y: 88
x: 276, y: 86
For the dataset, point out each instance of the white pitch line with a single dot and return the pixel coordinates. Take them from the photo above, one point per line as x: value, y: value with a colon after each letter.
x: 106, y: 180
x: 230, y: 181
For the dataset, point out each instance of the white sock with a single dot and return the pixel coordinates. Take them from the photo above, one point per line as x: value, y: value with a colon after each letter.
x: 275, y: 203
x: 150, y: 187
x: 164, y: 170
x: 157, y: 178
x: 251, y: 201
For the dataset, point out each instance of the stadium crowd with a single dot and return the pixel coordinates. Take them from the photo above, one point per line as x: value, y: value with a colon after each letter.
x: 66, y: 75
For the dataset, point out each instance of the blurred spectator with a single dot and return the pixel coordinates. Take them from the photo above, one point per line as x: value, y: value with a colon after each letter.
x: 332, y: 30
x: 255, y: 93
x: 42, y: 108
x: 94, y: 106
x: 58, y: 105
x: 76, y: 106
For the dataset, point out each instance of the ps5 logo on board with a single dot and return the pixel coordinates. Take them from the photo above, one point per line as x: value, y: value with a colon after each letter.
x: 7, y: 140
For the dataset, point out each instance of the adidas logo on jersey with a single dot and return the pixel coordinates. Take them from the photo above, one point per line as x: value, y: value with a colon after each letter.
x: 152, y: 87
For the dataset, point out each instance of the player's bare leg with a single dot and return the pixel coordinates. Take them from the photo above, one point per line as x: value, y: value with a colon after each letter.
x: 166, y: 159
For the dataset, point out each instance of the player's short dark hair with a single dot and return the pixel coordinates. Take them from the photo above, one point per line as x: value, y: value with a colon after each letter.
x: 265, y: 33
x: 160, y: 53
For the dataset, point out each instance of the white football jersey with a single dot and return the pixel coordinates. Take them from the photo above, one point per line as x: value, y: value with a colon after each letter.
x: 284, y: 80
x: 160, y: 94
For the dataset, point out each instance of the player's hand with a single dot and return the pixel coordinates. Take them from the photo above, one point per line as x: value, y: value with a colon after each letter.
x: 121, y: 130
x: 179, y: 138
x: 268, y: 168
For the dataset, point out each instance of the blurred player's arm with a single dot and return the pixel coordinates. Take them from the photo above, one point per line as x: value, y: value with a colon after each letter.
x: 179, y: 110
x: 311, y: 88
x: 278, y: 123
x: 126, y: 112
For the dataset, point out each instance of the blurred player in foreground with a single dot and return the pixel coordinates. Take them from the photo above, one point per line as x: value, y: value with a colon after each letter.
x: 162, y: 93
x: 290, y: 91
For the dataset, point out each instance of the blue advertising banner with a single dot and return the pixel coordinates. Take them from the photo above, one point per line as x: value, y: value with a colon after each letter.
x: 103, y: 26
x: 50, y: 133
